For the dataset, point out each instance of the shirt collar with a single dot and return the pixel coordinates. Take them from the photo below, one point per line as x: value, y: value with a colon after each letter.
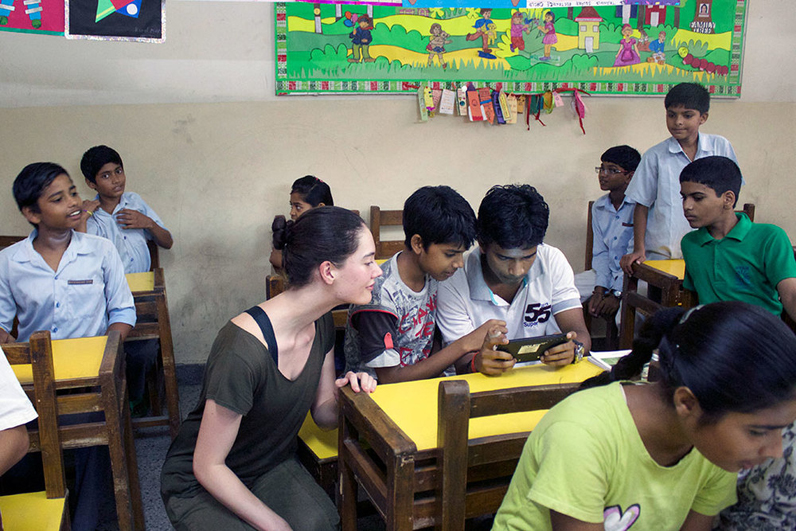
x: 604, y: 203
x: 704, y: 146
x: 77, y: 246
x: 737, y: 233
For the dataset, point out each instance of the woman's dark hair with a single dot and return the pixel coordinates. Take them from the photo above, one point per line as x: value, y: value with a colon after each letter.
x: 313, y: 191
x: 734, y: 357
x: 323, y: 234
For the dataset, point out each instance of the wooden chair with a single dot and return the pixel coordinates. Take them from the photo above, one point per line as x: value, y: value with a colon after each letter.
x: 274, y: 285
x: 153, y: 322
x: 611, y: 330
x: 40, y: 511
x: 154, y: 255
x: 469, y: 482
x: 749, y: 210
x: 385, y: 218
x: 8, y: 241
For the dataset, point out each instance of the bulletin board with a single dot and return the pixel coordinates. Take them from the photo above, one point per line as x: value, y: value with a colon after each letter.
x: 622, y: 49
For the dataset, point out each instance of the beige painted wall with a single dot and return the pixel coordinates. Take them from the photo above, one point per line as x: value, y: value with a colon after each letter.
x: 218, y: 172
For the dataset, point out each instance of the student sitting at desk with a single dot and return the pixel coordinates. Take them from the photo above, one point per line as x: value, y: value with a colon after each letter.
x: 729, y: 257
x: 69, y: 283
x: 233, y: 463
x: 394, y: 333
x: 307, y: 193
x: 512, y: 276
x: 662, y: 455
x: 612, y: 226
x: 122, y: 217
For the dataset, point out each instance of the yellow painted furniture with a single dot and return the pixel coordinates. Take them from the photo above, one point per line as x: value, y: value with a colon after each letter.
x: 48, y: 510
x: 89, y: 377
x: 389, y: 444
x: 153, y: 322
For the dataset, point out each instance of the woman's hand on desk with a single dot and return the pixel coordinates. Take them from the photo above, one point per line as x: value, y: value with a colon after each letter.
x: 360, y: 381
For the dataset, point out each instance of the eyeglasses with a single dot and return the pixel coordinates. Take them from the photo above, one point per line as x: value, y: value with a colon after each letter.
x: 610, y: 171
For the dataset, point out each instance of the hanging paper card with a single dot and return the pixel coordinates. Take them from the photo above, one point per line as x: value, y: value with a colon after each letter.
x: 461, y: 97
x: 447, y: 102
x: 116, y: 20
x: 421, y: 102
x: 32, y: 16
x: 605, y: 49
x: 512, y: 116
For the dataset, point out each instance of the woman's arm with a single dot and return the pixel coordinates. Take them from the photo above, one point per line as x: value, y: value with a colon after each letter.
x: 697, y: 522
x: 324, y: 410
x: 562, y: 522
x: 217, y: 433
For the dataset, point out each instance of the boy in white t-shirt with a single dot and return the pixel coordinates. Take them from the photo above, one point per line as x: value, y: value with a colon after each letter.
x: 514, y: 277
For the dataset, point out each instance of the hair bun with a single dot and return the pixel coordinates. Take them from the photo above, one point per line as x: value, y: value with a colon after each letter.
x: 281, y: 229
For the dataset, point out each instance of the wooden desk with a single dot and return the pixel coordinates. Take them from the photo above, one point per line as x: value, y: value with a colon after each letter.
x: 153, y: 322
x: 664, y: 280
x: 388, y: 442
x: 94, y: 368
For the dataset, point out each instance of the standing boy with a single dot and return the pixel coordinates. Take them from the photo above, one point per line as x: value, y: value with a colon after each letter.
x: 612, y: 225
x: 658, y: 221
x: 393, y: 335
x: 513, y: 277
x: 729, y: 257
x: 122, y: 217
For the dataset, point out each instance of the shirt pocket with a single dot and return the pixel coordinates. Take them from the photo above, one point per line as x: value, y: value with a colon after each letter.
x: 86, y: 298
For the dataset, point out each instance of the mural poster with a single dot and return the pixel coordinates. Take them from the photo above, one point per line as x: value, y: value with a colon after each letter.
x: 632, y: 48
x: 32, y: 16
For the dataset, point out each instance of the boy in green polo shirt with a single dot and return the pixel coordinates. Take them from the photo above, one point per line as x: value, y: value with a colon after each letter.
x: 729, y: 257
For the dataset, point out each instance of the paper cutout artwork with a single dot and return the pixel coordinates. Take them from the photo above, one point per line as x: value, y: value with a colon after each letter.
x: 32, y: 16
x: 127, y: 20
x: 625, y: 49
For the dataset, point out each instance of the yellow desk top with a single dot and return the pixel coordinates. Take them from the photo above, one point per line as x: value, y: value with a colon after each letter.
x: 413, y: 405
x: 141, y: 281
x: 72, y: 359
x: 673, y: 267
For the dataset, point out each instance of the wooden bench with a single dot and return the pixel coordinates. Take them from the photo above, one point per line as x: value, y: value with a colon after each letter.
x: 385, y: 218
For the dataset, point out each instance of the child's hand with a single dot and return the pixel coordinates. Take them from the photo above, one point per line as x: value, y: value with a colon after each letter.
x: 606, y: 307
x: 91, y: 205
x: 360, y: 381
x: 5, y: 337
x: 475, y: 339
x: 627, y: 261
x: 133, y: 219
x: 562, y: 354
x: 490, y: 361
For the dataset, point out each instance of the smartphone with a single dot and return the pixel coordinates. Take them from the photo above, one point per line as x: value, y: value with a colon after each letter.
x: 532, y: 348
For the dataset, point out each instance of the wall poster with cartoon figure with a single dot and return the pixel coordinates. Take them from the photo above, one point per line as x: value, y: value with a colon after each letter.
x: 32, y: 16
x: 632, y: 48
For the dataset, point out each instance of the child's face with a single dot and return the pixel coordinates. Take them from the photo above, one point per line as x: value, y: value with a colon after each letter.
x: 703, y: 207
x: 743, y: 440
x: 613, y: 177
x: 508, y: 266
x: 110, y: 181
x: 486, y: 14
x: 683, y: 124
x: 440, y: 260
x: 59, y: 206
x: 298, y: 206
x: 363, y: 24
x: 548, y: 17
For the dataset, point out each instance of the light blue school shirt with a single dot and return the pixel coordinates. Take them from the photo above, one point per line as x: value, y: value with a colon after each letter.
x: 87, y: 294
x: 613, y: 238
x: 131, y: 243
x: 656, y: 184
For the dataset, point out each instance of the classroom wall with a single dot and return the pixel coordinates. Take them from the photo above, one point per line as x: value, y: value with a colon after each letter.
x: 214, y: 152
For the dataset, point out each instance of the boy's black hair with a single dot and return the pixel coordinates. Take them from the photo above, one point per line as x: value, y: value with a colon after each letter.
x: 31, y: 182
x: 95, y: 158
x: 514, y: 216
x: 438, y: 214
x: 313, y: 191
x: 690, y: 96
x: 718, y: 173
x: 623, y: 156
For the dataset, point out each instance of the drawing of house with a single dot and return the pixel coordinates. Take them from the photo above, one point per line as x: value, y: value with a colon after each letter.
x: 627, y: 11
x: 655, y: 15
x: 588, y: 29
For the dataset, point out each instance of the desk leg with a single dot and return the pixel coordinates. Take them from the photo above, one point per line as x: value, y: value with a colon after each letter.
x: 401, y: 488
x: 627, y: 324
x: 122, y: 451
x: 169, y: 367
x: 347, y: 481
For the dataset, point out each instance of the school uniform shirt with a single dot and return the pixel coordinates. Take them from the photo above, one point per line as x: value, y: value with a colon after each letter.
x: 586, y: 459
x: 396, y: 328
x: 656, y: 184
x: 131, y: 243
x: 15, y: 408
x: 746, y: 265
x: 465, y: 302
x: 613, y: 238
x: 82, y: 298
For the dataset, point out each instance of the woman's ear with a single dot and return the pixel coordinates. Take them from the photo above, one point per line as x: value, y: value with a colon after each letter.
x: 320, y: 205
x: 686, y: 404
x: 327, y: 272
